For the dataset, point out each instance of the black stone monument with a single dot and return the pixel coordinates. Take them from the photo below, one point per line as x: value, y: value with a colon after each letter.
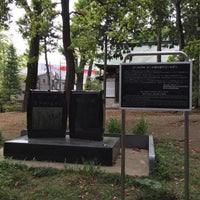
x: 86, y: 115
x: 46, y: 114
x: 64, y: 150
x: 46, y: 137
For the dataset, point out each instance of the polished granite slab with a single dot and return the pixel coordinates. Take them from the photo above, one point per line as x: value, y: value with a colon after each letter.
x: 66, y: 149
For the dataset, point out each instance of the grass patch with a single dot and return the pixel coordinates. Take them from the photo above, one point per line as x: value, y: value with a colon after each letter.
x: 170, y: 167
x: 18, y: 181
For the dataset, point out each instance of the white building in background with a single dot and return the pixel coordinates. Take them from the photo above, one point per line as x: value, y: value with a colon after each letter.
x: 56, y: 83
x: 57, y: 78
x: 113, y: 65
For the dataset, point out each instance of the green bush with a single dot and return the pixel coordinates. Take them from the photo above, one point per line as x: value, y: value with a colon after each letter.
x: 93, y: 84
x: 12, y: 107
x: 114, y: 125
x: 162, y: 169
x: 141, y: 127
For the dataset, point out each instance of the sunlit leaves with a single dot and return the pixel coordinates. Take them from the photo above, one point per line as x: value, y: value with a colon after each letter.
x: 37, y: 18
x: 5, y: 13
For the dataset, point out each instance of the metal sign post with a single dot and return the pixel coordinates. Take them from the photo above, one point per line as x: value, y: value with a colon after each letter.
x: 156, y: 86
x: 186, y: 159
x: 123, y: 155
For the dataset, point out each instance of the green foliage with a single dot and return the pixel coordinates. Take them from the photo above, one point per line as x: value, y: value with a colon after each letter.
x: 37, y: 18
x: 5, y: 13
x: 11, y: 107
x: 141, y: 127
x: 92, y: 84
x: 114, y: 125
x: 11, y: 81
x: 163, y: 194
x: 174, y: 156
x: 146, y: 182
x: 3, y: 55
x: 12, y: 174
x: 84, y: 41
x: 193, y: 51
x: 6, y: 194
x: 36, y: 26
x: 90, y: 168
x: 10, y: 84
x: 162, y: 166
x: 19, y: 181
x: 44, y: 172
x: 96, y: 22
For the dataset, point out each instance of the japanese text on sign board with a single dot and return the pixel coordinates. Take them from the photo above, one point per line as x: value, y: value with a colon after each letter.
x: 156, y: 85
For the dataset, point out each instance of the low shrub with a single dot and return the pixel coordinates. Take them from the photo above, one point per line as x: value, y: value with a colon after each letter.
x: 141, y: 127
x: 12, y: 107
x: 114, y: 125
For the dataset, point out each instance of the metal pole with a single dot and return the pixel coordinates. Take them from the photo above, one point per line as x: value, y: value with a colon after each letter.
x: 199, y: 73
x: 105, y: 77
x: 123, y: 156
x: 186, y: 155
x: 186, y: 114
x: 156, y: 53
x: 105, y: 65
x: 198, y: 37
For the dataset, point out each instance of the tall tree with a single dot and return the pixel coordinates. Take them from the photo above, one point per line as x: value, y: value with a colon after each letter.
x: 49, y: 38
x: 4, y: 21
x: 193, y: 51
x: 187, y: 18
x: 11, y: 82
x: 68, y: 50
x: 179, y: 24
x: 4, y: 46
x: 32, y: 26
x: 83, y: 39
x: 190, y: 15
x: 29, y: 27
x: 4, y: 13
x: 158, y: 20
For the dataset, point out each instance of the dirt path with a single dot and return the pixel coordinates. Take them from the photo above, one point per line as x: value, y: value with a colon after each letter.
x: 161, y: 124
x: 11, y: 124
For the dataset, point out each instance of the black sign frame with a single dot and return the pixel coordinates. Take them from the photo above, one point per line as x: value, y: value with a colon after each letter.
x: 156, y: 86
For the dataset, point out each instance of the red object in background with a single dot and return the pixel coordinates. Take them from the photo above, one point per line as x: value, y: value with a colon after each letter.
x: 63, y: 68
x: 86, y: 71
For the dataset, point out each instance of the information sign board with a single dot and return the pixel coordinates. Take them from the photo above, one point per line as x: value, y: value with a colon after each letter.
x: 164, y: 86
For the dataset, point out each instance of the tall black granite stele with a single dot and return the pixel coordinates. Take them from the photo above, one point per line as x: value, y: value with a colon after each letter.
x: 46, y: 114
x: 86, y: 116
x: 46, y: 137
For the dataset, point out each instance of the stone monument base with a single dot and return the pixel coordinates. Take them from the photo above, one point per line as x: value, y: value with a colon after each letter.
x: 66, y: 149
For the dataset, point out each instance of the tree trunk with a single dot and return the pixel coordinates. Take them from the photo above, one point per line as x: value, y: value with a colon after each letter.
x: 159, y: 43
x: 80, y: 75
x: 32, y: 67
x: 90, y: 68
x: 68, y: 51
x: 179, y: 24
x: 46, y: 62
